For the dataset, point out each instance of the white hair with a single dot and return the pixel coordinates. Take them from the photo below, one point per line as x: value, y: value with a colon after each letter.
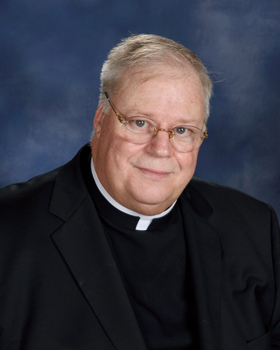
x: 147, y: 52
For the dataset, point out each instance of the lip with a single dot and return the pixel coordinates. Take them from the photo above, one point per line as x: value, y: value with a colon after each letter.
x: 156, y: 174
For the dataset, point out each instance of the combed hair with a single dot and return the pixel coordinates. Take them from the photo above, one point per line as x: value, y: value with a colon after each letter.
x: 147, y: 51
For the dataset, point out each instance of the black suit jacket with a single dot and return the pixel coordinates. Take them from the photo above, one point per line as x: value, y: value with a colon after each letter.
x: 61, y: 289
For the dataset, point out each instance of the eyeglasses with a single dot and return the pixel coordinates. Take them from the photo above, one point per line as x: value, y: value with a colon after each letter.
x: 139, y: 130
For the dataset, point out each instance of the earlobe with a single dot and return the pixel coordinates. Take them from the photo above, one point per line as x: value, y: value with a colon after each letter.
x: 97, y: 122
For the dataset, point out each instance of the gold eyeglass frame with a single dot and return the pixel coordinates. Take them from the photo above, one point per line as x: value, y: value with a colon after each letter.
x: 171, y: 132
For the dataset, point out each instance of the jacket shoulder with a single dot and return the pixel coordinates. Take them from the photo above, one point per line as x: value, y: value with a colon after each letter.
x: 19, y: 194
x: 39, y: 186
x: 61, y: 190
x: 224, y: 199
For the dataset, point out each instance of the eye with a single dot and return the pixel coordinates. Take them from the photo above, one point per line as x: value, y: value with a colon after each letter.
x: 140, y: 126
x: 139, y: 123
x: 180, y: 130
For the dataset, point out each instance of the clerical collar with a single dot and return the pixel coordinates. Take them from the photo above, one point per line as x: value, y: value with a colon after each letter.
x: 144, y: 220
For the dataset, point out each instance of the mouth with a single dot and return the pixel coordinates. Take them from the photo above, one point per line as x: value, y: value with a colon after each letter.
x: 154, y: 174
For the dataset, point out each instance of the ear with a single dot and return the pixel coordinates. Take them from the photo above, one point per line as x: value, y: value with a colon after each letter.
x: 97, y: 122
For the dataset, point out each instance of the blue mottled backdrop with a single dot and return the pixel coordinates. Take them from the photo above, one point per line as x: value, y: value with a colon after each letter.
x: 51, y: 54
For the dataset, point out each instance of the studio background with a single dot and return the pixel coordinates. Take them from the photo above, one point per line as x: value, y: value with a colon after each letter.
x: 51, y: 53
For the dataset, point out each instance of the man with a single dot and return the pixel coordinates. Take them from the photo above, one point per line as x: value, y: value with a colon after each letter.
x: 121, y: 248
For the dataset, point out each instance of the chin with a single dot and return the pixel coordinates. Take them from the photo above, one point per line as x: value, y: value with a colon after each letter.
x: 154, y: 200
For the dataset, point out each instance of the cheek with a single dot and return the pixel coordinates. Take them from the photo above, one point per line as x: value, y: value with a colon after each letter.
x: 119, y: 156
x: 126, y: 155
x: 187, y: 161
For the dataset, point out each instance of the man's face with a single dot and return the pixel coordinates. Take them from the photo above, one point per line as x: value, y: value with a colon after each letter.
x: 148, y: 178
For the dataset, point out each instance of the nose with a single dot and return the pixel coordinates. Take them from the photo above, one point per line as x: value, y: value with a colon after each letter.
x: 160, y: 145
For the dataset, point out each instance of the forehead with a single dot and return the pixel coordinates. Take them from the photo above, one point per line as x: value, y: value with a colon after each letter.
x: 165, y: 91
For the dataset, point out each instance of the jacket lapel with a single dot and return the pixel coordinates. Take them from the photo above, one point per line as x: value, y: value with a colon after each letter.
x: 204, y: 250
x: 83, y: 244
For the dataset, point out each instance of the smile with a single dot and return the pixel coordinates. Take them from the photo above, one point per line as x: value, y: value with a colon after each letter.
x: 155, y: 174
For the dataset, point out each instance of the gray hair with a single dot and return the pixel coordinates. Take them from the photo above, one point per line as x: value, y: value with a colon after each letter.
x: 148, y: 51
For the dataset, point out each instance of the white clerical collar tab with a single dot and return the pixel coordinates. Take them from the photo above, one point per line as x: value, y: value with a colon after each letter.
x: 144, y: 220
x: 143, y: 224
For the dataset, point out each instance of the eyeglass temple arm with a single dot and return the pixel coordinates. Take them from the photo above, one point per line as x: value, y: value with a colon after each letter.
x: 205, y: 135
x: 111, y: 104
x: 114, y: 109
